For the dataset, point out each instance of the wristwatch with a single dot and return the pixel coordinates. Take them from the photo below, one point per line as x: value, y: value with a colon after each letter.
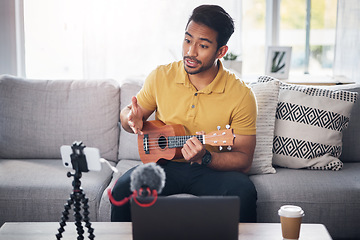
x: 206, y: 159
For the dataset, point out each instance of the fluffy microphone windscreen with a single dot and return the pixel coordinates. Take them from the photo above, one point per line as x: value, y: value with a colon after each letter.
x: 148, y: 175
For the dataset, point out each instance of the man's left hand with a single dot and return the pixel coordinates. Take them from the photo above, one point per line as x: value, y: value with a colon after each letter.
x: 193, y: 150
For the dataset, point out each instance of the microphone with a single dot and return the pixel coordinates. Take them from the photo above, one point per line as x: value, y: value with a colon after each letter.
x: 147, y: 177
x: 146, y: 181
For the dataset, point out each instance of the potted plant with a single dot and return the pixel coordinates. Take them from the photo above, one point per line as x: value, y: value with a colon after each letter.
x: 230, y: 62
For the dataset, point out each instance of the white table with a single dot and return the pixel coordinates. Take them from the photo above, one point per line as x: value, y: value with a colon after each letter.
x: 116, y: 231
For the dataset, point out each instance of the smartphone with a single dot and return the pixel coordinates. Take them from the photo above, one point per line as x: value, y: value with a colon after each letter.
x: 92, y: 157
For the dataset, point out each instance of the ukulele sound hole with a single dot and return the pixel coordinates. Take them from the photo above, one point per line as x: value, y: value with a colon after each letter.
x: 162, y: 142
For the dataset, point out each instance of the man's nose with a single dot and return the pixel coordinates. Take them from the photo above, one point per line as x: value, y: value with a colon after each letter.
x: 192, y: 51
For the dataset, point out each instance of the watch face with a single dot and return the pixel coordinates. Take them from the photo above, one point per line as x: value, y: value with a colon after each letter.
x: 206, y: 158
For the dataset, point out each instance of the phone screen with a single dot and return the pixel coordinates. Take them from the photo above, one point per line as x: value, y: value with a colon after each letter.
x: 92, y: 157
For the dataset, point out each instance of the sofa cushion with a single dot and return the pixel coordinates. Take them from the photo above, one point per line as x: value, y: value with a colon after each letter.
x: 267, y: 94
x: 309, y: 125
x: 38, y: 116
x: 324, y: 196
x: 37, y: 190
x: 105, y: 206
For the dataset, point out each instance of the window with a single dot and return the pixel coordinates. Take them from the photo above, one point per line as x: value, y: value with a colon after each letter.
x: 322, y: 26
x: 109, y: 39
x: 120, y: 39
x: 53, y: 39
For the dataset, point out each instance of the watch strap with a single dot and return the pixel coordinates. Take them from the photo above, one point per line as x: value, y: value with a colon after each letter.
x: 206, y: 159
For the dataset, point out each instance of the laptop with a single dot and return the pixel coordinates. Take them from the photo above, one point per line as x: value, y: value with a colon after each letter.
x: 192, y: 218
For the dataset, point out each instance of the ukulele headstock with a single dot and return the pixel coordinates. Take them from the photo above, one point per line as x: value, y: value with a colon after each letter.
x: 221, y: 138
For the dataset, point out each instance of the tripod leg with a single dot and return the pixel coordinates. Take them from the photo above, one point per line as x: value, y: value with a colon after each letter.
x: 78, y: 216
x: 77, y: 198
x: 65, y: 216
x: 86, y: 217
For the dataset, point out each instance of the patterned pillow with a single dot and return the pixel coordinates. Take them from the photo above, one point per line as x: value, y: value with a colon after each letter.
x: 267, y: 94
x: 309, y: 125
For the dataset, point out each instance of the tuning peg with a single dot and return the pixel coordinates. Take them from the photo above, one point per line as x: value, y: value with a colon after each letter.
x: 228, y: 126
x: 220, y: 148
x: 218, y: 127
x: 229, y: 148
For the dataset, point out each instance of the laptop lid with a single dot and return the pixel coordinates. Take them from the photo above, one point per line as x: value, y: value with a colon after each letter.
x: 187, y: 218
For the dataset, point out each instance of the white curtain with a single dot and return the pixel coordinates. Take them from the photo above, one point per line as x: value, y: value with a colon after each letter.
x: 347, y: 51
x: 128, y: 39
x: 117, y: 39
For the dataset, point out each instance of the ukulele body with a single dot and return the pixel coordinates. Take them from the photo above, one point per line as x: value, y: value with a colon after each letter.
x: 154, y: 145
x: 161, y: 141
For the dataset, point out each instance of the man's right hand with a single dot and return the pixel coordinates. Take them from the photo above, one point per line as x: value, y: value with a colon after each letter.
x: 135, y: 117
x: 132, y: 117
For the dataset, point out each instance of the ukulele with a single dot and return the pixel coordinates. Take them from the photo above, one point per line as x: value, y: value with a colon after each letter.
x: 161, y: 141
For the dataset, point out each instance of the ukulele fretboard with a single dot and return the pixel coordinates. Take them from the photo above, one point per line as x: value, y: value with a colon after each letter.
x: 179, y: 141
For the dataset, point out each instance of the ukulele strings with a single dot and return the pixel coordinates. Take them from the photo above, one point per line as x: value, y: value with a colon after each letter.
x: 183, y: 137
x: 156, y: 142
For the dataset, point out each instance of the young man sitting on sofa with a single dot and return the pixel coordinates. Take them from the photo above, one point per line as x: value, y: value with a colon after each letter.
x: 200, y: 94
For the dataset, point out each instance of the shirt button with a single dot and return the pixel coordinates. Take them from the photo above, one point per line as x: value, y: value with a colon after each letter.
x: 193, y: 106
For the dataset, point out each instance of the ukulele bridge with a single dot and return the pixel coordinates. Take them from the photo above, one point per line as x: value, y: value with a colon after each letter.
x: 146, y: 143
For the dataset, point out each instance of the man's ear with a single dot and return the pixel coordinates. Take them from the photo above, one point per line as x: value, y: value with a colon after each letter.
x: 222, y: 51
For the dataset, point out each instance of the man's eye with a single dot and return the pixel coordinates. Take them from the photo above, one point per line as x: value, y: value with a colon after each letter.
x: 203, y: 46
x: 187, y: 40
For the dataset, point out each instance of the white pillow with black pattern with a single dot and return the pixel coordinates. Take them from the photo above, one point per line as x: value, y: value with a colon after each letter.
x: 308, y: 126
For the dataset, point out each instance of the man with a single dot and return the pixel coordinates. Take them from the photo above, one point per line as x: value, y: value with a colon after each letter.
x: 199, y: 94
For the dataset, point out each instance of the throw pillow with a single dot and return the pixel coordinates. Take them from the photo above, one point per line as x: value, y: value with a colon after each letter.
x: 309, y: 124
x: 352, y: 132
x: 267, y: 98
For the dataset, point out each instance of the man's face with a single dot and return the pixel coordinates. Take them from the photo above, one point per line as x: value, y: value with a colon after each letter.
x: 199, y: 48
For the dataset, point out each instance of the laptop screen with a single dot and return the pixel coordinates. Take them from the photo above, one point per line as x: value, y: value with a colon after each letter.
x: 208, y: 217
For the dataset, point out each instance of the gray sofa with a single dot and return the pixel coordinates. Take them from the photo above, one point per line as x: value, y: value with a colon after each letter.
x: 37, y: 117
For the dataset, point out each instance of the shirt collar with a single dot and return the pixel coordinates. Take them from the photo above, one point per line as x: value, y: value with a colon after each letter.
x: 216, y: 86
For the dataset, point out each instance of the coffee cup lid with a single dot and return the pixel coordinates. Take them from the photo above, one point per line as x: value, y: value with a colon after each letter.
x: 291, y: 211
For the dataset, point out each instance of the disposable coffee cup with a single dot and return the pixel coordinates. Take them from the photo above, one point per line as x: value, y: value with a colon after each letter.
x: 290, y: 218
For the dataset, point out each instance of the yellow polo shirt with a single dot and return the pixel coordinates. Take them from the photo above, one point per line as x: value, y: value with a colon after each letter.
x: 225, y: 101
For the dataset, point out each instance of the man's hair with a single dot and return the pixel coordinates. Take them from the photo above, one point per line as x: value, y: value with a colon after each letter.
x: 216, y: 18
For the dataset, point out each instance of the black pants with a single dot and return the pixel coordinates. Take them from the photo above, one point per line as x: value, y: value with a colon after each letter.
x: 197, y: 180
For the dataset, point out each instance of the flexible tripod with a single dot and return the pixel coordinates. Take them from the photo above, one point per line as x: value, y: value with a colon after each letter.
x: 77, y: 197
